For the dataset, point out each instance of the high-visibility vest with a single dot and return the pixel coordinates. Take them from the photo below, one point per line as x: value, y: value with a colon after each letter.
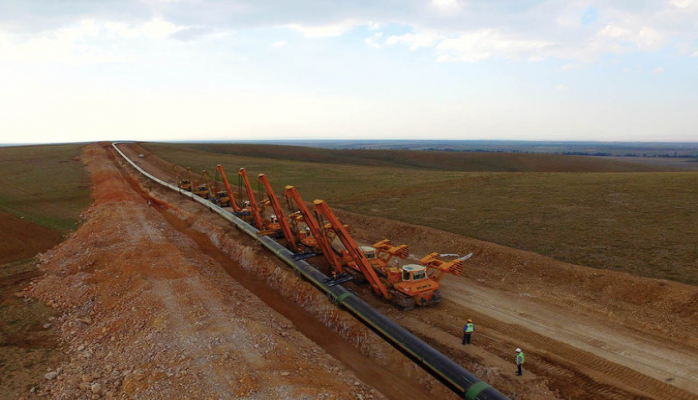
x: 469, y: 328
x: 520, y: 358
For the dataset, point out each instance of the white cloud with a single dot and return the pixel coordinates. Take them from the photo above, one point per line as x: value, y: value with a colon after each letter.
x: 373, y: 41
x: 324, y: 30
x: 568, y: 21
x: 67, y: 46
x: 487, y: 43
x: 615, y: 39
x: 561, y: 87
x: 280, y: 43
x: 154, y: 29
x: 695, y: 54
x: 416, y: 40
x: 85, y: 42
x: 446, y: 6
x: 658, y: 70
x: 373, y: 26
x: 682, y: 3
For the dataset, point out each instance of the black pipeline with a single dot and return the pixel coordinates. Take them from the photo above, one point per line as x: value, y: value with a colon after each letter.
x: 455, y: 377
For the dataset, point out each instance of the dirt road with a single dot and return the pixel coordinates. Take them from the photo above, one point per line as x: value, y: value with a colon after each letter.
x: 586, y: 333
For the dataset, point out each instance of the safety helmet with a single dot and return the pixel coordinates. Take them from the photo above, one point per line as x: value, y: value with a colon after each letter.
x: 518, y: 350
x: 470, y: 320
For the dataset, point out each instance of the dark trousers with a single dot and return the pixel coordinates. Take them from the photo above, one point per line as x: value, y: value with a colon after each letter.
x: 520, y: 371
x: 466, y: 337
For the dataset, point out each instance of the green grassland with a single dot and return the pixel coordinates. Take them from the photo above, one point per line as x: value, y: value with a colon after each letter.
x: 46, y: 185
x: 613, y: 215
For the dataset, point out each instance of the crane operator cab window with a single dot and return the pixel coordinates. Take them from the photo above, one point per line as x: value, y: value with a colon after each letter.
x: 414, y: 272
x: 369, y: 252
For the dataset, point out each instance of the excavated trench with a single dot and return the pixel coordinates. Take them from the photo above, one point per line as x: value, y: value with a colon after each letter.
x: 390, y: 384
x: 371, y: 359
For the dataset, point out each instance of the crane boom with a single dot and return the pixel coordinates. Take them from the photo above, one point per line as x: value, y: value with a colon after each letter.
x: 254, y: 209
x: 291, y: 193
x: 182, y: 183
x: 283, y: 222
x: 233, y: 204
x: 207, y: 180
x: 191, y: 182
x: 353, y: 248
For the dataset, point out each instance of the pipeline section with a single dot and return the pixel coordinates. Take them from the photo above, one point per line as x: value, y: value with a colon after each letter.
x: 455, y: 377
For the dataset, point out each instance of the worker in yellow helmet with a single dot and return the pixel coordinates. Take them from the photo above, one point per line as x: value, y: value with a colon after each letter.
x: 468, y: 330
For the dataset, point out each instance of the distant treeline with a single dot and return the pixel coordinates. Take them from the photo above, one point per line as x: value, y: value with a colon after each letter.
x: 664, y: 150
x: 566, y: 153
x: 602, y: 154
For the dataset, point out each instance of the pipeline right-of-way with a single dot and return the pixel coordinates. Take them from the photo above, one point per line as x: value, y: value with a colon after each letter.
x: 455, y: 377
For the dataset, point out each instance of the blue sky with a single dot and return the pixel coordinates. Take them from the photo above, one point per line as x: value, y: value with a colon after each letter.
x: 80, y: 70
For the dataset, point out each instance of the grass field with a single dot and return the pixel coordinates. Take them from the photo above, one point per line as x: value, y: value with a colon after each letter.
x: 619, y: 217
x: 43, y: 190
x: 434, y: 160
x: 45, y: 185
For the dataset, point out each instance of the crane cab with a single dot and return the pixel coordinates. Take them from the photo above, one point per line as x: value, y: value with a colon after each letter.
x: 414, y: 273
x: 185, y: 185
x: 369, y: 252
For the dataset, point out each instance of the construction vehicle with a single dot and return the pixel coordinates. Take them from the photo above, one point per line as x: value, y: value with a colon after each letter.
x: 279, y: 215
x: 266, y: 227
x: 237, y: 210
x: 406, y: 286
x: 202, y: 189
x: 207, y: 181
x: 218, y: 197
x: 381, y: 253
x: 184, y: 184
x: 221, y: 195
x: 316, y: 239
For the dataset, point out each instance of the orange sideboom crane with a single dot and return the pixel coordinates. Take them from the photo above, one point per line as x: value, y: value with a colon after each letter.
x: 254, y: 209
x: 233, y: 204
x: 291, y: 193
x: 191, y: 182
x: 280, y: 216
x: 207, y: 180
x: 353, y: 248
x: 181, y: 182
